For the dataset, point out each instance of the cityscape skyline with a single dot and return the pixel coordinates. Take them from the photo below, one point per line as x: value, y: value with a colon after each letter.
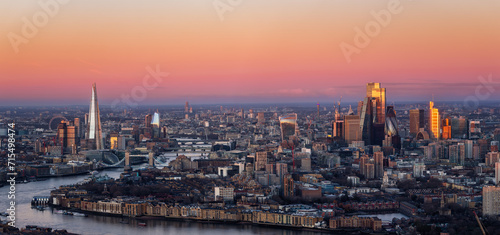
x: 250, y: 117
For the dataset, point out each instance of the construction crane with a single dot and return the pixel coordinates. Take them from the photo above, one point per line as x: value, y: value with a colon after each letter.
x: 481, y: 225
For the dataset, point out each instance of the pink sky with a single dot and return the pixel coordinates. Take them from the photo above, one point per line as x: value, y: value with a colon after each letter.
x: 263, y: 51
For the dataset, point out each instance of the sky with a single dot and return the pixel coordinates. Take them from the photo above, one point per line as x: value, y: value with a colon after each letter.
x: 248, y: 51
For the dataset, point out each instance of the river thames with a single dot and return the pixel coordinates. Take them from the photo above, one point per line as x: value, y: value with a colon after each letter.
x: 95, y: 224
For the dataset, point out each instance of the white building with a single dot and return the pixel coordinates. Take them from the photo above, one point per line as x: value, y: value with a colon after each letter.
x: 227, y: 194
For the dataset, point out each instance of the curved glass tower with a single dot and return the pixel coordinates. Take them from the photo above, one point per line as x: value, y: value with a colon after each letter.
x: 391, y: 124
x: 288, y: 124
x: 391, y: 129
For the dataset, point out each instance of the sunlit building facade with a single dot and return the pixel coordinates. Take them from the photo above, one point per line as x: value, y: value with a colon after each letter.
x: 377, y: 93
x: 446, y: 129
x: 434, y: 121
x: 66, y: 136
x: 288, y: 124
x: 155, y: 123
x: 491, y: 200
x: 372, y: 114
x: 147, y: 120
x: 94, y: 129
x: 351, y: 128
x: 417, y: 121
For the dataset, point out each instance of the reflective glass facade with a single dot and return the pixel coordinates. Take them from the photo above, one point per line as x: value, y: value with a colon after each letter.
x: 288, y: 124
x: 94, y: 121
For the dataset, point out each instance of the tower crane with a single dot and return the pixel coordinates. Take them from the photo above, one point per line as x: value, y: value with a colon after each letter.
x: 481, y: 225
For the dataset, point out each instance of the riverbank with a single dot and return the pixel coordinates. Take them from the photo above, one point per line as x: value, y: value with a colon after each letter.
x: 144, y: 218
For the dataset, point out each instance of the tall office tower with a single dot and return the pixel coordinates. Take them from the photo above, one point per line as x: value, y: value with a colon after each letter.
x: 379, y: 164
x: 417, y: 121
x: 374, y: 91
x: 72, y: 140
x: 338, y: 126
x: 147, y: 120
x: 318, y: 109
x: 365, y: 121
x: 155, y: 123
x: 391, y: 127
x: 288, y: 186
x: 446, y: 129
x: 260, y: 160
x: 372, y: 116
x: 491, y: 200
x: 434, y: 121
x: 66, y: 136
x: 78, y: 129
x: 338, y: 129
x: 497, y: 173
x: 351, y: 128
x: 62, y: 134
x: 94, y: 122
x: 469, y: 146
x: 459, y: 128
x: 474, y: 129
x: 288, y: 123
x: 186, y: 107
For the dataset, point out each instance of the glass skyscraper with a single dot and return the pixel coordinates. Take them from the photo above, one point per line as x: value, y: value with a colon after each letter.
x: 372, y: 123
x: 155, y: 123
x: 435, y: 121
x: 288, y: 124
x: 94, y: 122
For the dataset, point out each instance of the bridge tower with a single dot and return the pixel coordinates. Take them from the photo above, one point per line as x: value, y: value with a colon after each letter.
x: 127, y: 167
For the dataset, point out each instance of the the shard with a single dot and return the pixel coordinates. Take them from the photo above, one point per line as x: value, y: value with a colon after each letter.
x: 94, y: 122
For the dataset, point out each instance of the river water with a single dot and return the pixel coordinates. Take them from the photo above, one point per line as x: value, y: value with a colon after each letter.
x: 95, y: 224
